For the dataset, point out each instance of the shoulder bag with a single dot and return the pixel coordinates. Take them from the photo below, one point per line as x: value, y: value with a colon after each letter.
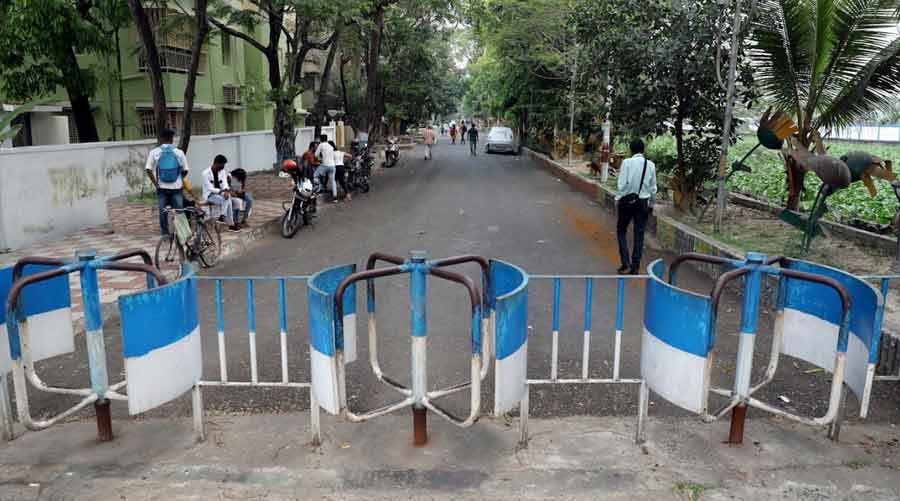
x: 633, y: 200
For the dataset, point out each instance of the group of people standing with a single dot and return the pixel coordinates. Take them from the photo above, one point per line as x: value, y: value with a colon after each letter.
x: 464, y: 130
x: 323, y: 158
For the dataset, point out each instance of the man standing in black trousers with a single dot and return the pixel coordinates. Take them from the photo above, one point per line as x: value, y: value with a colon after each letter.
x: 634, y: 202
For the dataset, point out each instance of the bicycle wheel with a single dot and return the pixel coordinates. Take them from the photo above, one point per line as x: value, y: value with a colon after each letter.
x: 209, y: 244
x: 169, y: 257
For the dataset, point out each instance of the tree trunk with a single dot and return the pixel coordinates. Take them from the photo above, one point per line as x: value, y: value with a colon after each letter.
x: 795, y: 177
x: 201, y: 29
x: 321, y: 105
x: 373, y: 82
x: 347, y: 111
x: 81, y: 104
x: 683, y: 195
x: 145, y: 32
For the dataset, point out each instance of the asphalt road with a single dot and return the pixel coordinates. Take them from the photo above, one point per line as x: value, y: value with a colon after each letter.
x: 498, y: 206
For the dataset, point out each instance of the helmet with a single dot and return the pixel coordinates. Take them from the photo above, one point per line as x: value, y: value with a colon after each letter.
x: 306, y: 188
x: 288, y: 165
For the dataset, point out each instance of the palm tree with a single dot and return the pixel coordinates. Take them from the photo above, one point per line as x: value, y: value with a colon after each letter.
x: 827, y: 63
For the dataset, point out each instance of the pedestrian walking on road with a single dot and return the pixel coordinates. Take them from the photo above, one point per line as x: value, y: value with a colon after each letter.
x: 473, y: 139
x: 166, y: 167
x: 464, y: 129
x: 634, y: 202
x: 429, y: 140
x: 452, y: 134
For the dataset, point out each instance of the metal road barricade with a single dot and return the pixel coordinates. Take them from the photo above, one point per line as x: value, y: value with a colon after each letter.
x: 332, y: 313
x: 286, y: 341
x: 824, y: 316
x: 587, y: 333
x: 38, y: 325
x: 884, y: 283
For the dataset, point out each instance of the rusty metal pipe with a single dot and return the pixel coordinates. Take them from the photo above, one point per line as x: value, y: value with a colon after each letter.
x: 104, y: 420
x: 20, y: 265
x: 470, y: 258
x: 420, y: 425
x: 736, y: 431
x: 356, y: 277
x: 17, y: 286
x: 694, y: 256
x: 144, y: 255
x: 143, y: 268
x: 474, y: 295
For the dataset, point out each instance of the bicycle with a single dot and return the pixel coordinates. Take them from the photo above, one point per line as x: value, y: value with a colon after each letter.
x: 193, y: 241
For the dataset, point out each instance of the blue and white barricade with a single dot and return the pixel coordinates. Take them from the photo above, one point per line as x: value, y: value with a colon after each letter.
x: 330, y: 344
x: 161, y: 344
x: 509, y: 298
x: 809, y: 318
x: 46, y: 307
x: 677, y: 342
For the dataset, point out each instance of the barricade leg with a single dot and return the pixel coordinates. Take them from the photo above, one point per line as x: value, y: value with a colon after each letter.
x: 315, y: 427
x: 523, y: 419
x: 199, y: 417
x: 643, y: 406
x: 6, y: 416
x: 834, y: 431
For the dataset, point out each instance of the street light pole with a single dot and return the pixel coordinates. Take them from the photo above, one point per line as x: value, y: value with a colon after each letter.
x: 721, y: 194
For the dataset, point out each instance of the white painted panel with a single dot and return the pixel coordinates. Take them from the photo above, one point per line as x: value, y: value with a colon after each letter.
x: 5, y: 358
x: 50, y: 334
x: 349, y: 338
x: 164, y: 373
x: 324, y: 381
x: 510, y: 380
x: 677, y: 376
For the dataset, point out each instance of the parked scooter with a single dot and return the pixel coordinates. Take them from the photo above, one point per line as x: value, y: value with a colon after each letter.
x: 300, y: 210
x: 391, y: 152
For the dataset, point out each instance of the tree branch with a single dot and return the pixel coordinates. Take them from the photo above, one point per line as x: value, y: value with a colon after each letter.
x: 239, y: 34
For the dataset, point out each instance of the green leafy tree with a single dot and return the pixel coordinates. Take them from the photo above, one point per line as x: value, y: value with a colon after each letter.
x: 828, y: 63
x: 39, y: 43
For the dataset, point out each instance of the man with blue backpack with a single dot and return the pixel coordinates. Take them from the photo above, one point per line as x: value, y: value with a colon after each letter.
x: 166, y: 166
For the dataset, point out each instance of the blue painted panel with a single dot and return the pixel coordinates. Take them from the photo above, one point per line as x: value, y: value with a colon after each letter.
x: 823, y: 302
x: 37, y: 298
x: 677, y: 317
x: 158, y: 317
x: 510, y: 294
x: 325, y: 334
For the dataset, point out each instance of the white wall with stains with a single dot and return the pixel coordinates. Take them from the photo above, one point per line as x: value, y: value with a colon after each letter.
x: 47, y: 192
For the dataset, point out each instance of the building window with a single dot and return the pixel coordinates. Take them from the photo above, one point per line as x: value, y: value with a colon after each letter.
x: 231, y: 120
x: 174, y: 44
x: 201, y: 122
x: 231, y: 94
x: 226, y: 49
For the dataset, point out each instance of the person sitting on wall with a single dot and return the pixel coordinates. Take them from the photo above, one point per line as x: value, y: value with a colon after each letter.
x: 241, y: 200
x: 216, y: 191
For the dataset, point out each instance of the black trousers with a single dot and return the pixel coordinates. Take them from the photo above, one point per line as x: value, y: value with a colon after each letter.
x: 639, y: 213
x: 341, y: 175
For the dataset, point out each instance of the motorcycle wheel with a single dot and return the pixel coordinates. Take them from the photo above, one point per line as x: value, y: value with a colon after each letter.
x: 290, y: 223
x: 364, y: 186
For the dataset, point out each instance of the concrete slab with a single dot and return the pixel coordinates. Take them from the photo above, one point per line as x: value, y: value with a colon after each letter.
x: 268, y: 457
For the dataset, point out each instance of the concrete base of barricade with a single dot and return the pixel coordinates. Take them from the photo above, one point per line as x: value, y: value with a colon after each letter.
x: 573, y: 458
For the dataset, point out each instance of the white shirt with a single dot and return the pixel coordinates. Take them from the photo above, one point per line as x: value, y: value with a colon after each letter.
x: 339, y: 157
x: 209, y: 187
x: 325, y: 154
x: 153, y: 160
x: 630, y: 177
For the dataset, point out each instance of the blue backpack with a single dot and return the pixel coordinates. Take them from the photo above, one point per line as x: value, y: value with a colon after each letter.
x: 168, y: 169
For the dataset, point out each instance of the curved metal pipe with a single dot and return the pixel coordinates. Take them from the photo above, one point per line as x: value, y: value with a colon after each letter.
x: 144, y: 255
x: 356, y: 277
x: 694, y: 256
x: 471, y: 258
x: 20, y: 265
x: 143, y: 268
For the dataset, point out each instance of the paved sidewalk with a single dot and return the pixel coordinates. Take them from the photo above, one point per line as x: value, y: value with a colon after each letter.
x: 267, y: 457
x: 135, y: 225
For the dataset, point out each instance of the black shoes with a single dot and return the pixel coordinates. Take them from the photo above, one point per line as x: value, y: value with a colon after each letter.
x: 631, y: 270
x: 634, y: 271
x: 622, y: 269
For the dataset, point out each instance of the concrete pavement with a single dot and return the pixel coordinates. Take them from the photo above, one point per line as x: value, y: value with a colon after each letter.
x: 266, y: 457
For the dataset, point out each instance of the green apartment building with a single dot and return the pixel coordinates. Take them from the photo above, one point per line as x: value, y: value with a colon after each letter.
x: 231, y: 71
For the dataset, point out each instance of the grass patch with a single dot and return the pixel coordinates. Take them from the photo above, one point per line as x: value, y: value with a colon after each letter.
x: 857, y: 464
x: 691, y: 491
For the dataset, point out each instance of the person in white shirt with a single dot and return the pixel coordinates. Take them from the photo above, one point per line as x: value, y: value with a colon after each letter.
x: 217, y: 192
x: 429, y: 138
x: 166, y: 166
x: 339, y: 172
x: 325, y: 155
x: 634, y: 202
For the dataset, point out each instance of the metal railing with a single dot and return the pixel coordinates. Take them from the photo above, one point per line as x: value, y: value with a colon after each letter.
x: 224, y: 380
x: 884, y: 285
x: 587, y: 333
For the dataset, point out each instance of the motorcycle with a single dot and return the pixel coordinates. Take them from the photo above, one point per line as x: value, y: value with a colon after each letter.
x: 300, y: 209
x: 358, y: 173
x: 391, y: 152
